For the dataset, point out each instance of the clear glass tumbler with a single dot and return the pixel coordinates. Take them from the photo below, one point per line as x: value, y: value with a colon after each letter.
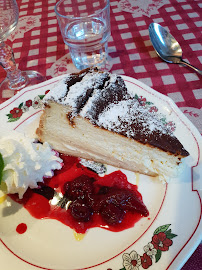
x: 85, y: 28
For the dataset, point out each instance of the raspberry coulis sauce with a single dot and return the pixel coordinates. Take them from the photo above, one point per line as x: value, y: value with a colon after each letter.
x: 81, y: 199
x: 21, y: 228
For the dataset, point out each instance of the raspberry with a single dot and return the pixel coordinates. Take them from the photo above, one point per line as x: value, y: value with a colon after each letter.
x: 125, y: 199
x: 80, y: 188
x: 112, y: 214
x: 80, y: 211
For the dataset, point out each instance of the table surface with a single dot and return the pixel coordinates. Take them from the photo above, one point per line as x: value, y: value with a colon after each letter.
x: 38, y: 45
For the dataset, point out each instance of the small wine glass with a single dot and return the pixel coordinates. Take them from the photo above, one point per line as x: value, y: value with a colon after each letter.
x: 16, y: 79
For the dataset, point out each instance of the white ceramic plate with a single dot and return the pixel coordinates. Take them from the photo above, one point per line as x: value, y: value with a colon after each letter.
x: 174, y: 223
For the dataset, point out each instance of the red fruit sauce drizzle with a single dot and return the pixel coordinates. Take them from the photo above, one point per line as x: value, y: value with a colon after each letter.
x: 81, y: 199
x: 21, y: 228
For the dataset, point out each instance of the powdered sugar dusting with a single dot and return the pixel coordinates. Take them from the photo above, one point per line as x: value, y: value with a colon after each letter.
x: 113, y: 78
x: 97, y: 167
x: 121, y: 113
x: 79, y: 89
x: 114, y: 90
x: 58, y: 91
x: 129, y: 117
x: 113, y: 113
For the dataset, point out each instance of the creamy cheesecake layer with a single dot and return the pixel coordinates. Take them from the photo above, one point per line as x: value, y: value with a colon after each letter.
x: 87, y: 141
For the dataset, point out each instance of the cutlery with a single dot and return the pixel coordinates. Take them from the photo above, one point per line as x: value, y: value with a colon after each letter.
x: 167, y: 47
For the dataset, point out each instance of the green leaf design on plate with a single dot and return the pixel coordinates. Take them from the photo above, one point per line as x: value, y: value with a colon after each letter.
x: 1, y: 167
x: 13, y: 119
x: 136, y: 96
x: 162, y: 228
x: 168, y: 231
x: 9, y: 115
x: 20, y: 106
x: 163, y: 120
x: 41, y: 96
x: 170, y: 235
x: 158, y: 255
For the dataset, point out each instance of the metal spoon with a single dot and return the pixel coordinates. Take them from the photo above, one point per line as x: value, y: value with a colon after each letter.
x: 166, y: 46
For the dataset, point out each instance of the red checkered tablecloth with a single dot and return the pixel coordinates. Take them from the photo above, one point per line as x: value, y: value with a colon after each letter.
x: 38, y: 45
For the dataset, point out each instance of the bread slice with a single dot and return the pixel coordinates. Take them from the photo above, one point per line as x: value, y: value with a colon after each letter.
x: 92, y: 115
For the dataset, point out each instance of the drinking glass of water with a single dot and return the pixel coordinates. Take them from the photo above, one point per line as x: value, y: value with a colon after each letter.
x: 85, y: 28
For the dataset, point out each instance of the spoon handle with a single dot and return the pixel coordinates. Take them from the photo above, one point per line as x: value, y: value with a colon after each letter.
x: 194, y: 68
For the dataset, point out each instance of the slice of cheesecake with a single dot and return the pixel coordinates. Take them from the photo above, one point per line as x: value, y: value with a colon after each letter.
x: 92, y: 115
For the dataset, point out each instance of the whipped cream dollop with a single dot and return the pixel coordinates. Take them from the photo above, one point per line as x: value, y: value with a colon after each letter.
x: 26, y: 162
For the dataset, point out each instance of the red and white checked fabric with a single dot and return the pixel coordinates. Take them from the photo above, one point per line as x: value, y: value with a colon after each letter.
x: 38, y: 45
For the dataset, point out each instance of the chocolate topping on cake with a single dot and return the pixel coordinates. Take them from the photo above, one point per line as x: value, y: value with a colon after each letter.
x: 75, y: 77
x: 104, y: 100
x: 113, y: 92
